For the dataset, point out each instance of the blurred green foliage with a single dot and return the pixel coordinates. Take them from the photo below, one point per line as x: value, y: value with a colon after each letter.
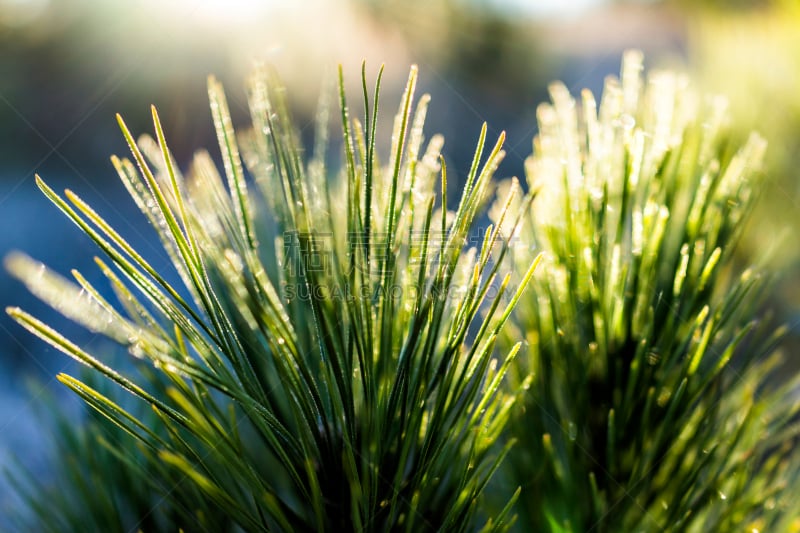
x: 649, y: 407
x: 751, y: 57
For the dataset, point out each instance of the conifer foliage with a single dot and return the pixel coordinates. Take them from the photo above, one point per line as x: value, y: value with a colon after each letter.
x: 345, y: 351
x: 314, y: 374
x: 649, y: 408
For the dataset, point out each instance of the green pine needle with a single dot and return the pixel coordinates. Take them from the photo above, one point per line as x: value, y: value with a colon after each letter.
x: 326, y: 380
x: 649, y: 408
x: 336, y: 359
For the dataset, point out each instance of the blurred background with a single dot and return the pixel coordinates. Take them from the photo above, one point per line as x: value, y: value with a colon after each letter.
x: 67, y: 66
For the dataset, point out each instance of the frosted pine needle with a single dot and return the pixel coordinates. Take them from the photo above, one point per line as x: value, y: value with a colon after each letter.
x: 644, y: 336
x: 316, y: 372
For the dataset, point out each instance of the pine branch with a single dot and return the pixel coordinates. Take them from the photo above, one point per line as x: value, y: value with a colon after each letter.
x: 650, y: 407
x: 325, y: 381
